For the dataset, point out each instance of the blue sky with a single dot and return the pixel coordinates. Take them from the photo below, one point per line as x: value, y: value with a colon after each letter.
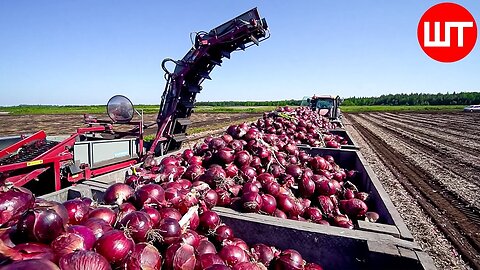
x: 84, y: 52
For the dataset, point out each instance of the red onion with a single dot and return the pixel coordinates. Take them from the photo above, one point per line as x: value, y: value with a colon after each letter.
x: 124, y: 209
x: 354, y: 207
x: 213, y: 174
x: 342, y: 221
x: 217, y: 143
x: 153, y: 214
x: 227, y: 138
x: 236, y: 145
x: 84, y: 232
x: 187, y: 154
x: 294, y: 170
x: 191, y: 237
x: 170, y: 213
x: 115, y: 246
x: 272, y: 188
x: 306, y: 186
x: 289, y: 259
x: 232, y: 255
x: 269, y: 204
x: 40, y: 225
x: 313, y: 213
x: 286, y: 204
x: 195, y: 160
x: 31, y: 264
x: 117, y: 193
x: 326, y: 187
x: 262, y: 253
x: 225, y: 155
x: 77, y: 211
x: 98, y: 226
x: 280, y: 214
x: 210, y: 198
x: 326, y: 205
x: 144, y: 256
x: 67, y: 243
x: 57, y: 207
x: 209, y: 220
x: 223, y: 197
x: 170, y: 230
x: 252, y: 202
x: 242, y: 158
x: 248, y: 173
x: 223, y: 232
x: 104, y: 213
x: 170, y: 160
x: 149, y: 194
x: 193, y: 172
x: 318, y: 163
x: 362, y: 196
x: 206, y: 247
x: 14, y: 201
x: 206, y: 260
x: 137, y: 225
x: 83, y: 260
x: 231, y: 170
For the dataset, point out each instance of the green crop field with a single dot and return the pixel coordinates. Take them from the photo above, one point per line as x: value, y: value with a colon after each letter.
x: 151, y: 109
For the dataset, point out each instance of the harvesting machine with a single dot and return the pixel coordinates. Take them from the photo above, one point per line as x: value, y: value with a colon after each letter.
x: 325, y: 105
x: 98, y: 148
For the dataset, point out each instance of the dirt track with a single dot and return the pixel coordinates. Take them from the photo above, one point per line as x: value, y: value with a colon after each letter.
x: 436, y: 165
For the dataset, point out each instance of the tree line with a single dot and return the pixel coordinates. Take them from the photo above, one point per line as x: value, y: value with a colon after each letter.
x: 462, y: 98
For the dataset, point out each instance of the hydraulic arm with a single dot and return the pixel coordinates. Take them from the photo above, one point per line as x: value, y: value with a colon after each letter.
x: 185, y: 81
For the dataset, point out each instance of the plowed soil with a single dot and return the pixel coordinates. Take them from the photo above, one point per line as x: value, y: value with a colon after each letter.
x: 60, y: 124
x: 436, y: 160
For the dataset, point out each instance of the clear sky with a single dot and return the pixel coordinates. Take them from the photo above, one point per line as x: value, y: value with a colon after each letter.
x: 83, y: 52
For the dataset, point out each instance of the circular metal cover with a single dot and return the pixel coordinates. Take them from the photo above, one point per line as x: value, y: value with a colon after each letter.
x: 120, y: 109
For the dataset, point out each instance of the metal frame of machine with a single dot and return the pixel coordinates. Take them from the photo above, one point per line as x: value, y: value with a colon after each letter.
x: 76, y: 157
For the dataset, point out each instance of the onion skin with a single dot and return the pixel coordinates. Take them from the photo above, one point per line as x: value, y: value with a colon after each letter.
x: 144, y: 256
x: 117, y: 193
x: 34, y: 264
x: 184, y: 258
x: 86, y: 233
x: 68, y: 243
x: 34, y: 250
x: 14, y: 201
x: 84, y: 260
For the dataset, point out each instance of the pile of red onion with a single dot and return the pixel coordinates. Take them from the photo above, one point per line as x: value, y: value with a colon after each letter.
x: 302, y: 126
x: 143, y: 225
x: 256, y: 168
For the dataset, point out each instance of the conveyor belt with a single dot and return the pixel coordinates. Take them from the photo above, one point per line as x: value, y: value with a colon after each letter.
x: 28, y: 152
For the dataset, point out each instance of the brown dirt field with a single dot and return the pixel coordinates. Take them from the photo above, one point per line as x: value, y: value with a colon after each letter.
x: 67, y: 124
x: 430, y: 160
